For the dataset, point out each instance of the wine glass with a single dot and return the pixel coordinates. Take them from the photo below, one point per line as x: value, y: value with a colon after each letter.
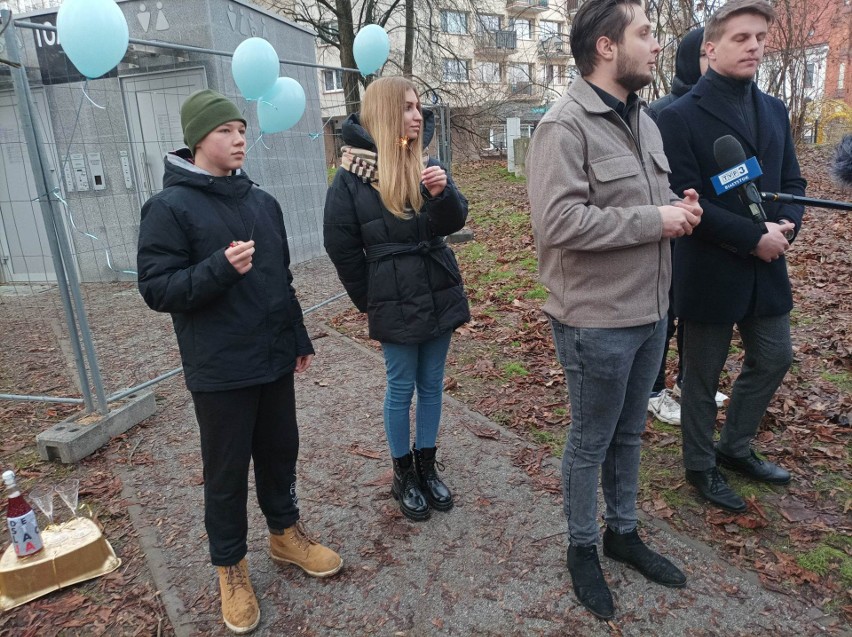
x: 69, y: 491
x: 43, y: 498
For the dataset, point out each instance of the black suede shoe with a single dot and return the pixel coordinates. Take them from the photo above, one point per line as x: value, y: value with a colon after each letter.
x: 754, y: 467
x: 588, y: 580
x: 631, y: 550
x: 712, y: 486
x: 406, y: 489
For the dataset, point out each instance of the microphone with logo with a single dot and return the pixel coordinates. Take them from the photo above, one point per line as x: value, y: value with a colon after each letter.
x: 740, y: 173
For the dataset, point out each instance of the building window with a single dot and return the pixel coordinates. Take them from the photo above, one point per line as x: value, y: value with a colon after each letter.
x: 841, y: 76
x: 455, y: 70
x: 487, y: 23
x: 497, y: 137
x: 520, y: 73
x: 489, y: 72
x: 554, y: 74
x: 523, y: 28
x: 547, y: 29
x: 810, y: 68
x: 328, y: 32
x: 453, y: 21
x: 520, y: 79
x: 332, y: 81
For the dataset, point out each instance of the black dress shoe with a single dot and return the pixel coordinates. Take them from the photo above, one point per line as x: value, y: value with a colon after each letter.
x: 754, y: 467
x: 630, y: 549
x: 588, y: 580
x: 712, y: 486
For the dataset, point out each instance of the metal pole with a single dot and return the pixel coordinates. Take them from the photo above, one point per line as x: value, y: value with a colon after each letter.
x: 42, y: 399
x: 188, y: 47
x: 31, y: 136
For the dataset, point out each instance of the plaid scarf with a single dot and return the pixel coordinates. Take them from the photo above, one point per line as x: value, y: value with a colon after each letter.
x: 365, y: 163
x: 361, y: 163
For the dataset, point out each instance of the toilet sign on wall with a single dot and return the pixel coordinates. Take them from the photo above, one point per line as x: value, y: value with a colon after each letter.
x: 54, y: 65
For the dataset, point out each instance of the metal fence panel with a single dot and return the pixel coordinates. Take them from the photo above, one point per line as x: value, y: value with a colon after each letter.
x: 103, y: 146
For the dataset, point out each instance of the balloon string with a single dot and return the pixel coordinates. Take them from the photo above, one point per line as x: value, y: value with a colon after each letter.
x: 73, y: 132
x: 248, y: 150
x: 56, y: 193
x: 85, y: 84
x: 314, y: 135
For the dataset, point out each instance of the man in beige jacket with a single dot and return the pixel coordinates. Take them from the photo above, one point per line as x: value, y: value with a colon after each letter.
x: 602, y: 216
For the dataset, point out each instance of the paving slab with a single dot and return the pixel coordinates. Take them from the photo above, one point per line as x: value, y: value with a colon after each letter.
x: 494, y: 565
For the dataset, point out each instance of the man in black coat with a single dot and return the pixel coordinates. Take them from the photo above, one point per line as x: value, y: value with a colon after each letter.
x: 690, y: 65
x: 729, y: 271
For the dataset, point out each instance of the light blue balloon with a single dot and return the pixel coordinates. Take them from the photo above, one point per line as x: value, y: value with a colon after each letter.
x: 93, y: 34
x: 254, y: 67
x: 282, y: 107
x: 371, y: 49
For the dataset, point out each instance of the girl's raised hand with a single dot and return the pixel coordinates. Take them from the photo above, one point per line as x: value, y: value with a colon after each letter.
x: 434, y: 179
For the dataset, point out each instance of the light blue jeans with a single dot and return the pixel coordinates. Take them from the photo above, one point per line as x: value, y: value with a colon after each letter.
x: 408, y: 367
x: 609, y: 374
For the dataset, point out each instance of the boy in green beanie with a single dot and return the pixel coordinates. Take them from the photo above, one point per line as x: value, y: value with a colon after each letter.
x: 213, y: 253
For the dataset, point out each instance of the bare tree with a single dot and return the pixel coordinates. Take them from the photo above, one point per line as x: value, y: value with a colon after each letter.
x: 336, y: 24
x: 796, y: 51
x: 672, y: 19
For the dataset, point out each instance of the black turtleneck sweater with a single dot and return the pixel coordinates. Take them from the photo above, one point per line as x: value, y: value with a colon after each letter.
x: 740, y: 93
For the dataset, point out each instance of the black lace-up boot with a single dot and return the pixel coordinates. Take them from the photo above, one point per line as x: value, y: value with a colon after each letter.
x: 406, y: 489
x: 433, y: 488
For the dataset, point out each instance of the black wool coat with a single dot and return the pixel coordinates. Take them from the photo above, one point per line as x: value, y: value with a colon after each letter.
x: 716, y: 279
x: 233, y: 330
x: 409, y: 298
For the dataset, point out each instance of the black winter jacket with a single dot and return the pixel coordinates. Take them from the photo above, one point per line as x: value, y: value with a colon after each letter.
x: 233, y: 330
x: 409, y: 298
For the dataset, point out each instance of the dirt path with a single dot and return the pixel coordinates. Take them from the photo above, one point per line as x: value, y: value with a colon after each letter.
x: 492, y: 566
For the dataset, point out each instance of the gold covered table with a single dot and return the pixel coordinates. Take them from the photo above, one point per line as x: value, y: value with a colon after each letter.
x: 74, y: 551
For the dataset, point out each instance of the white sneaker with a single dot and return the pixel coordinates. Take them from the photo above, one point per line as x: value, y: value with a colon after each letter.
x: 665, y: 408
x: 720, y: 398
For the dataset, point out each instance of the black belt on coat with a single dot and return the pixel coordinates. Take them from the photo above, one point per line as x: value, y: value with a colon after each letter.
x: 381, y: 251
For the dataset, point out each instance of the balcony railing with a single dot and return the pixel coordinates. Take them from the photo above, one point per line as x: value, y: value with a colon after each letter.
x: 496, y: 42
x: 521, y: 88
x: 526, y: 6
x: 552, y: 47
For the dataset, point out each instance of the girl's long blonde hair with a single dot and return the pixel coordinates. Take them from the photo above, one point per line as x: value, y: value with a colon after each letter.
x: 400, y: 164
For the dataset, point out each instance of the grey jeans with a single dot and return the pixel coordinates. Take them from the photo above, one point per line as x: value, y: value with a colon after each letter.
x: 609, y: 374
x: 768, y: 355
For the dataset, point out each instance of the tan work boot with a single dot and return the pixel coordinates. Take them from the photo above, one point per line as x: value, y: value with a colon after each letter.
x: 295, y: 547
x: 239, y: 605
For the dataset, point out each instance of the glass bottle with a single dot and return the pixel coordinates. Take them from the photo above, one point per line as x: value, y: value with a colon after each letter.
x: 21, y: 519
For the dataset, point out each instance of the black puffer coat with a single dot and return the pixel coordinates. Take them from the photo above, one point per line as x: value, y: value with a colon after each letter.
x: 409, y: 298
x: 233, y: 330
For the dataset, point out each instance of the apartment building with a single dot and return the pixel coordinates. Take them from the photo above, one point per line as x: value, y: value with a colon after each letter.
x: 486, y: 59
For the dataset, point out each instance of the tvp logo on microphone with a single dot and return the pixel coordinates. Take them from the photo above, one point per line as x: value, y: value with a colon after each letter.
x: 736, y: 176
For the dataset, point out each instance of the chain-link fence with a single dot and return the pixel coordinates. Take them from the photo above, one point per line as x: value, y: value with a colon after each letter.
x: 78, y: 160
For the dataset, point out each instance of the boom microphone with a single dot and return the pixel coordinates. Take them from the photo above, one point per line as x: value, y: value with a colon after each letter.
x: 740, y: 173
x: 841, y: 169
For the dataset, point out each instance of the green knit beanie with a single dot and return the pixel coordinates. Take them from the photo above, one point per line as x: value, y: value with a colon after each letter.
x: 202, y: 112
